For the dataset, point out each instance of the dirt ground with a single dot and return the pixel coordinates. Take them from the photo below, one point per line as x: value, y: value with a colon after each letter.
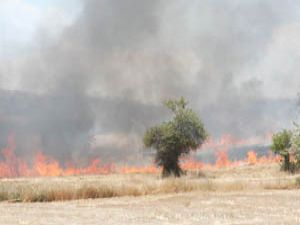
x: 246, y: 207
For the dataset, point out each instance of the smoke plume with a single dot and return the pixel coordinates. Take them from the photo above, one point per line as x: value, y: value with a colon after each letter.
x: 108, y: 72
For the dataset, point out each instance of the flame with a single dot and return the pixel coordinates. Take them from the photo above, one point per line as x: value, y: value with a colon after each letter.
x: 191, y: 164
x: 8, y: 168
x: 252, y: 159
x: 222, y: 159
x: 43, y: 165
x: 227, y: 141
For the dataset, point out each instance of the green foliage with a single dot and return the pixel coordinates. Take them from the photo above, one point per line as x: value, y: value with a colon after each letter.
x: 172, y: 139
x: 282, y: 142
x: 296, y: 146
x: 287, y: 144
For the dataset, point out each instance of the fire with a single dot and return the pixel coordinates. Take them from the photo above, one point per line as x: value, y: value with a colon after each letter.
x: 252, y: 159
x: 191, y: 164
x: 43, y: 165
x: 227, y: 141
x: 222, y: 159
x: 8, y: 168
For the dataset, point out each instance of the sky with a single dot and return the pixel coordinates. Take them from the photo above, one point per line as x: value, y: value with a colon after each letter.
x: 103, y: 67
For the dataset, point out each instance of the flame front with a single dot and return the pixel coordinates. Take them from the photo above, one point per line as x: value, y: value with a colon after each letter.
x: 43, y: 165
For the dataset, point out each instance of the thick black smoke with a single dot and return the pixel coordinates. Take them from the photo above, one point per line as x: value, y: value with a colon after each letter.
x: 107, y: 74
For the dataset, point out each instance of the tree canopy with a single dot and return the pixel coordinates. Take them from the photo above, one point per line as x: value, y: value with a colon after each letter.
x: 177, y: 137
x: 286, y: 143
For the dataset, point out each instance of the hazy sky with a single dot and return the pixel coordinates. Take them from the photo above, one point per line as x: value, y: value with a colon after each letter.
x: 20, y: 20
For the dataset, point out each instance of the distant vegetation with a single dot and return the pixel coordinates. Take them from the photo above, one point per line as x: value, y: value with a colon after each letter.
x: 172, y: 139
x: 287, y: 144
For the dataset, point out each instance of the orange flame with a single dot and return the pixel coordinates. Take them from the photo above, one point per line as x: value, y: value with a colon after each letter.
x: 43, y: 165
x: 222, y: 159
x: 9, y: 167
x: 252, y: 159
x: 228, y: 140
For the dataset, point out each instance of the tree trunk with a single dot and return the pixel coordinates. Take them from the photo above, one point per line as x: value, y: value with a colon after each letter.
x: 286, y: 163
x: 172, y: 169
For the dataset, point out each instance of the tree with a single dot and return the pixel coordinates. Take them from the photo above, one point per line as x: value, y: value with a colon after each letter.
x: 287, y: 144
x: 296, y: 145
x: 177, y: 137
x: 281, y: 145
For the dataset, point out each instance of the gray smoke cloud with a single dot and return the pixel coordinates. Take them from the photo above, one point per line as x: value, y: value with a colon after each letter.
x: 109, y: 71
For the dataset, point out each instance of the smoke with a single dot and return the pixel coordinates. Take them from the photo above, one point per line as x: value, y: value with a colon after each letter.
x: 108, y: 72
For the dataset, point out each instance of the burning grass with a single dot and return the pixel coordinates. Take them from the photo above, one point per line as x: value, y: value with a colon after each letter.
x: 47, y: 189
x: 46, y: 180
x: 12, y: 166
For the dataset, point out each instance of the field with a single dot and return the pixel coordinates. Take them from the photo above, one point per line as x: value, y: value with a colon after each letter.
x: 257, y: 194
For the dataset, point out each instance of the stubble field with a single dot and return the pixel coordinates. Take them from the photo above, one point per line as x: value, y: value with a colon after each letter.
x: 243, y: 195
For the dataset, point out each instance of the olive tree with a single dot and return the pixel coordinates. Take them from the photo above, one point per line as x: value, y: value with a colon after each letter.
x: 281, y: 145
x: 177, y: 137
x: 287, y: 144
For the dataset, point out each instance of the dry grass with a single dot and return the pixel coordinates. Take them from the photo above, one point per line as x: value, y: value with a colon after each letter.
x: 115, y: 185
x: 247, y: 207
